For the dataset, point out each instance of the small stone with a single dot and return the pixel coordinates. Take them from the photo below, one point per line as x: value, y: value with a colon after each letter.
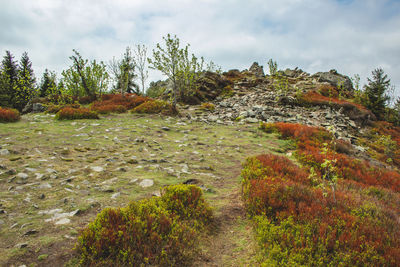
x: 132, y: 161
x: 165, y: 129
x: 31, y: 232
x: 146, y: 183
x: 49, y: 170
x: 63, y: 221
x: 115, y: 195
x: 11, y: 172
x: 22, y: 176
x: 21, y: 245
x: 97, y: 168
x: 30, y: 169
x: 42, y: 196
x: 4, y: 152
x: 44, y: 186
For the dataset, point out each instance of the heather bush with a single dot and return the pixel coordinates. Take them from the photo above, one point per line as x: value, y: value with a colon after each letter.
x: 9, y: 115
x: 159, y: 231
x: 76, y: 114
x: 207, y: 106
x: 53, y: 109
x: 129, y: 101
x: 155, y: 107
x: 105, y: 109
x: 296, y: 224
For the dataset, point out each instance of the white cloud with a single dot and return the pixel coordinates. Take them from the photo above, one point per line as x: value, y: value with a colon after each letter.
x: 353, y: 36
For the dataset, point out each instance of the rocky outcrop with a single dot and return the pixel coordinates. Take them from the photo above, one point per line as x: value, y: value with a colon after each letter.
x: 334, y: 78
x: 34, y: 107
x: 257, y: 70
x: 209, y: 86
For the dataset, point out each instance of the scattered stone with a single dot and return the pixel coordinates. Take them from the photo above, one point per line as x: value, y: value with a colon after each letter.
x: 31, y: 232
x: 11, y: 172
x: 62, y: 221
x: 42, y: 196
x: 115, y: 195
x: 4, y: 152
x: 22, y: 176
x: 44, y: 186
x: 146, y: 183
x: 165, y: 129
x: 15, y: 158
x: 97, y: 168
x: 21, y: 245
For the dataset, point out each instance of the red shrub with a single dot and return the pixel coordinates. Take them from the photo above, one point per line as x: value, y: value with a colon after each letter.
x: 9, y: 115
x: 129, y: 101
x: 109, y: 109
x: 315, y: 98
x: 76, y: 113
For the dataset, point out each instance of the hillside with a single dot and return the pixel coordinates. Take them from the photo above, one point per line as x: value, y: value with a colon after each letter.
x: 56, y: 176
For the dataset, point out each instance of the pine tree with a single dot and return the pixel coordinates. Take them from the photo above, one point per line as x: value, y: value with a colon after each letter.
x: 375, y: 92
x: 124, y: 73
x: 25, y: 87
x: 8, y: 79
x: 48, y: 83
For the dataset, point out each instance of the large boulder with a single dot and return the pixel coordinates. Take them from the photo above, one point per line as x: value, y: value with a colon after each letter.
x: 34, y: 107
x: 257, y: 70
x: 295, y: 73
x: 334, y: 78
x: 209, y: 86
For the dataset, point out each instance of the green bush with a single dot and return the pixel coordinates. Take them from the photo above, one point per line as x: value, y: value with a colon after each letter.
x: 157, y: 231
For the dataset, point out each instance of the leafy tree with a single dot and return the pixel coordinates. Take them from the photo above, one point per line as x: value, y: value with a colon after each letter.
x: 166, y: 59
x: 190, y: 68
x: 273, y: 67
x: 375, y: 92
x: 48, y: 84
x: 85, y: 78
x: 140, y: 60
x: 8, y: 79
x: 25, y: 87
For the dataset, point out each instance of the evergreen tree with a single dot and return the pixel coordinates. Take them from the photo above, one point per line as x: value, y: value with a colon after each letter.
x: 25, y: 87
x: 48, y: 84
x: 375, y: 93
x: 8, y: 79
x: 124, y: 73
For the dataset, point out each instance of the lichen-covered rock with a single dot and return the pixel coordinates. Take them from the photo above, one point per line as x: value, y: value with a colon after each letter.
x: 334, y: 78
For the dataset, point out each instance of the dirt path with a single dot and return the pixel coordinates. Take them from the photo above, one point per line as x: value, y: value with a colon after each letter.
x: 231, y: 241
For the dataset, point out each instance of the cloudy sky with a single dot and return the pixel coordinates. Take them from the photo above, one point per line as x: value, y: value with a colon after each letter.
x: 352, y: 36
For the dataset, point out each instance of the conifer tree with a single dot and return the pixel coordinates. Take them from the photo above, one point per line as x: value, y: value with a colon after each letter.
x: 48, y: 84
x: 8, y: 79
x: 375, y: 92
x: 25, y: 87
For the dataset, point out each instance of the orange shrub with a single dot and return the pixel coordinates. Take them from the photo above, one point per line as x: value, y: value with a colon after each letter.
x: 129, y: 101
x: 315, y: 98
x: 105, y: 109
x: 155, y: 107
x: 76, y: 114
x: 53, y: 109
x: 9, y: 115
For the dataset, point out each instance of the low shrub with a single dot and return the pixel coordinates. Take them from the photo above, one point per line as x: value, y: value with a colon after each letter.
x: 76, y: 113
x: 9, y: 115
x: 296, y: 224
x: 314, y: 98
x: 53, y: 109
x: 129, y: 101
x: 105, y: 109
x: 157, y: 231
x: 208, y: 106
x: 155, y: 107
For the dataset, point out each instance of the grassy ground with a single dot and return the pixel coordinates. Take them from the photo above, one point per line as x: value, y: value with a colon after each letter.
x: 60, y: 159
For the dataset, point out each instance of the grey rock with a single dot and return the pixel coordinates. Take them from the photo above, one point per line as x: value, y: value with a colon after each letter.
x: 22, y: 176
x: 4, y: 152
x: 334, y: 78
x: 97, y: 168
x: 212, y: 118
x: 146, y: 183
x: 21, y: 245
x: 45, y: 186
x: 257, y: 70
x: 115, y: 195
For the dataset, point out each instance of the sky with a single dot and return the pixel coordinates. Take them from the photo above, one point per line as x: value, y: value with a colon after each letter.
x: 351, y: 36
